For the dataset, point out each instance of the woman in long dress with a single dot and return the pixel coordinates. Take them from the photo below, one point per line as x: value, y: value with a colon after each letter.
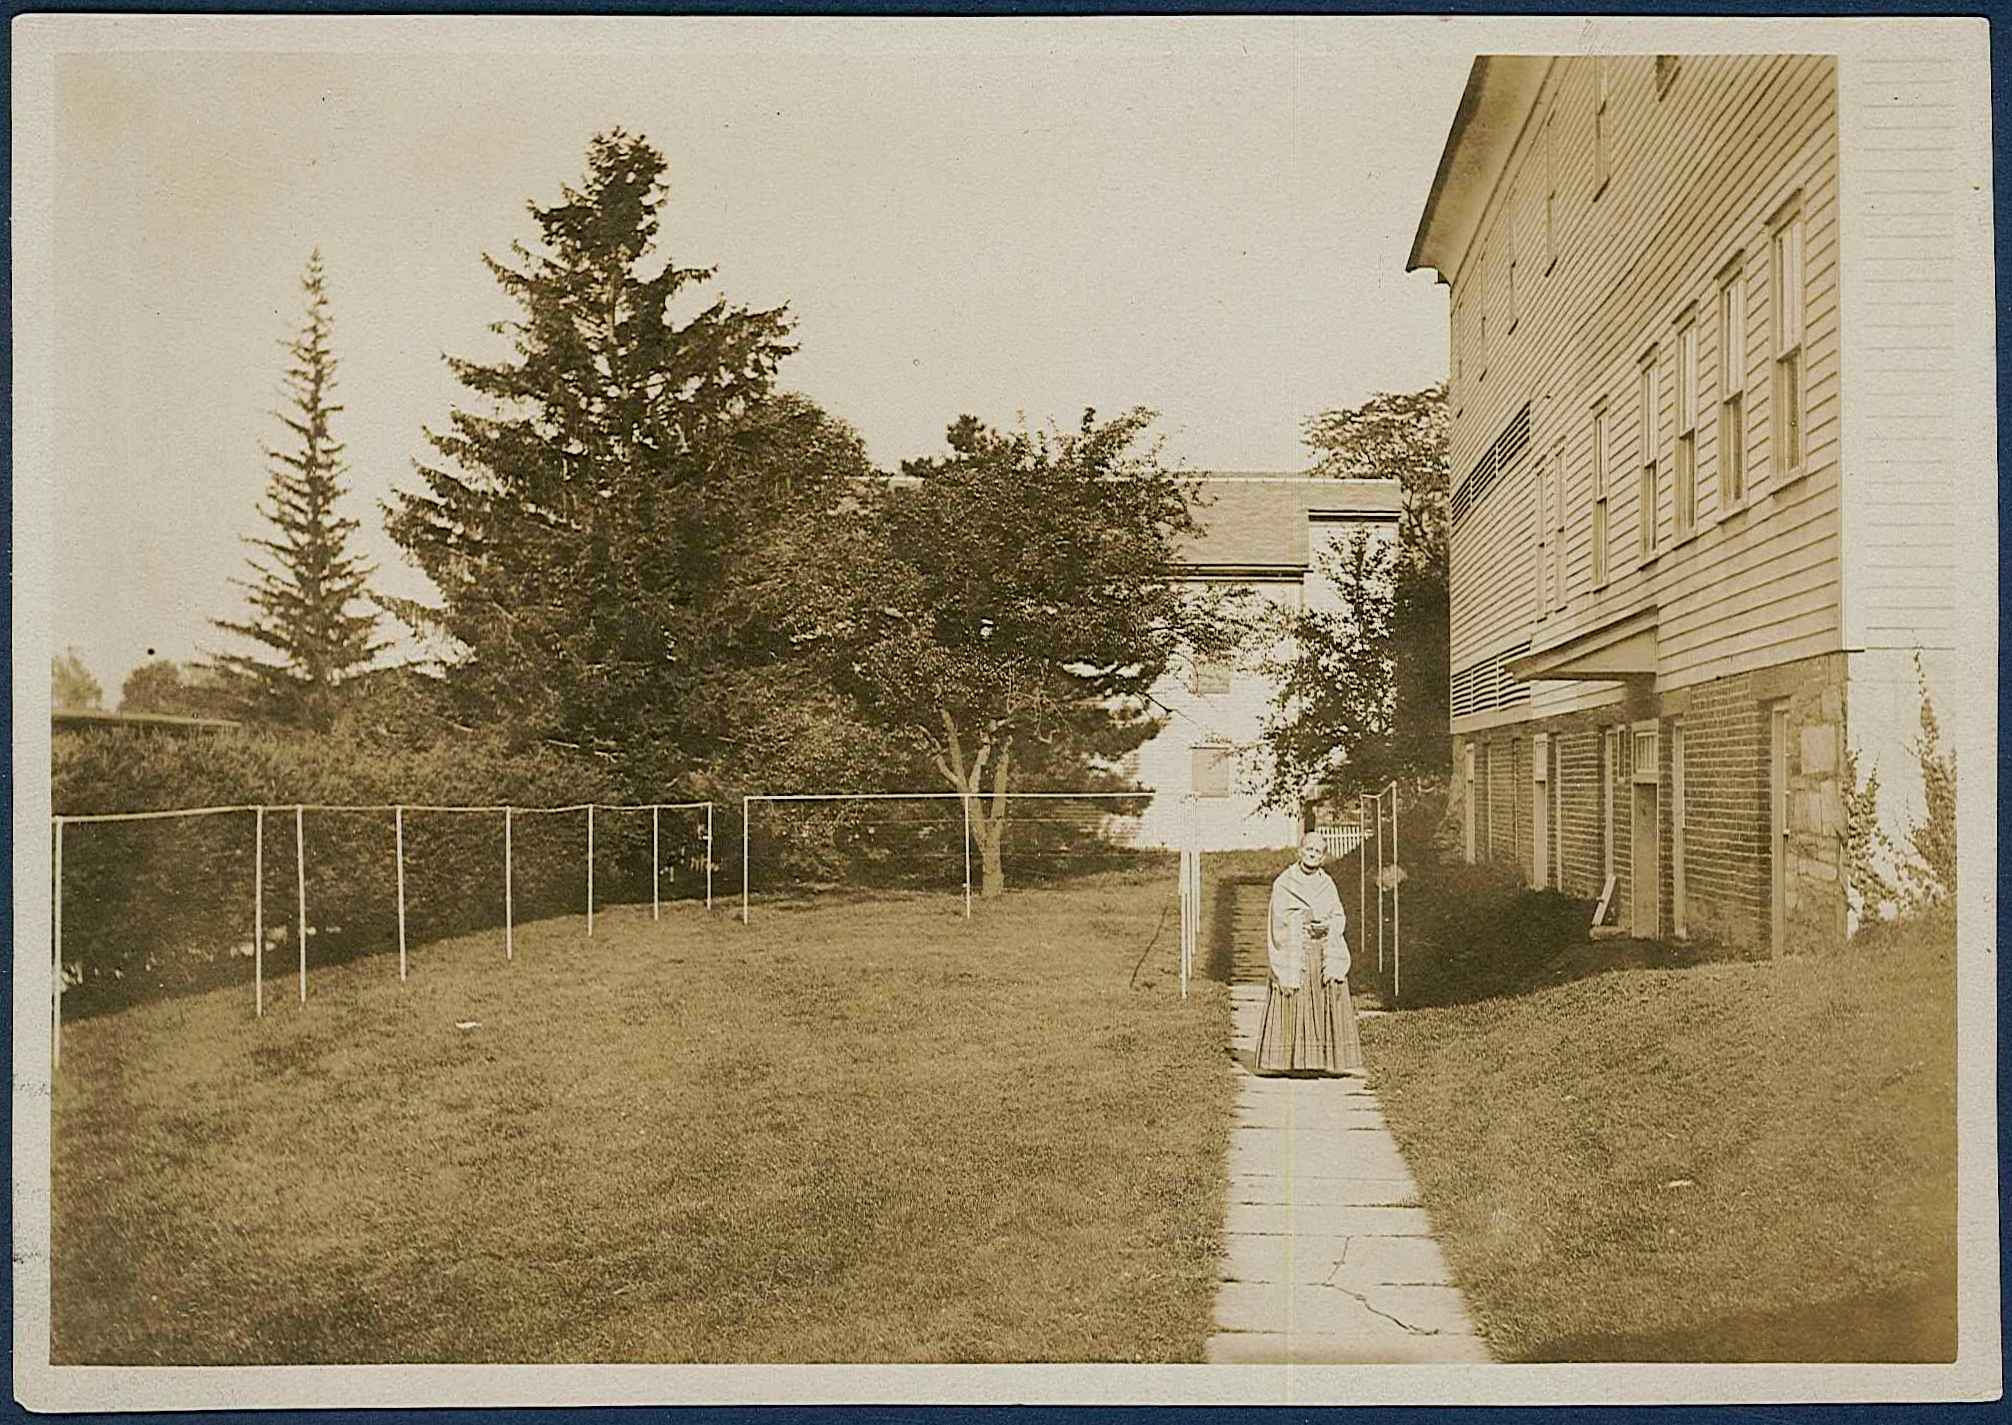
x: 1309, y: 1020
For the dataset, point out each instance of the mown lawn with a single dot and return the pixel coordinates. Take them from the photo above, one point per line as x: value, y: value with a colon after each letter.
x: 871, y: 1132
x: 1731, y: 1162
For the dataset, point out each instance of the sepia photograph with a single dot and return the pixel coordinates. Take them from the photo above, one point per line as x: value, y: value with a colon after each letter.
x: 1217, y: 709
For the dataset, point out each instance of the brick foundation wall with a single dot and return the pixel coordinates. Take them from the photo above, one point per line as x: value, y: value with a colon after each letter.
x: 1728, y: 873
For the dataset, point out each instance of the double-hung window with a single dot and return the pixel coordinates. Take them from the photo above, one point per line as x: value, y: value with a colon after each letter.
x: 1558, y: 528
x: 1550, y: 191
x: 1540, y: 522
x: 1599, y: 496
x: 1601, y: 170
x: 1687, y: 427
x: 1646, y: 492
x: 1733, y: 391
x: 1789, y: 394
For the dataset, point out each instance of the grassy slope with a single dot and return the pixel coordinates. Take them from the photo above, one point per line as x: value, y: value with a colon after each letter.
x: 1811, y: 1102
x: 872, y: 1132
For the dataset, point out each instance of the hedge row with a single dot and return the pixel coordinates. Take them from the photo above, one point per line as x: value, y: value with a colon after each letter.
x: 160, y: 906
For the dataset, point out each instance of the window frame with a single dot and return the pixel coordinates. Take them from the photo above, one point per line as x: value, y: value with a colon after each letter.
x: 1208, y: 679
x: 1224, y: 756
x: 1540, y: 477
x: 1788, y: 273
x: 1603, y: 168
x: 1732, y: 479
x: 1558, y: 527
x: 1550, y: 189
x: 1648, y: 467
x: 1684, y: 459
x: 1602, y: 573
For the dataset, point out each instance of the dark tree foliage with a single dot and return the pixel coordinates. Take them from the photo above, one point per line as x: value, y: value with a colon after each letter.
x: 612, y: 480
x: 306, y: 592
x: 1363, y: 689
x: 161, y: 685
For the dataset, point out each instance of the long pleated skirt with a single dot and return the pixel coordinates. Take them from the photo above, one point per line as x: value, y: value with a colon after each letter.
x: 1310, y: 1029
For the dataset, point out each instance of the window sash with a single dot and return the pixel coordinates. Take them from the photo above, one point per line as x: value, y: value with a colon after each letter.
x: 1687, y: 378
x: 1647, y: 491
x: 1550, y: 188
x: 1558, y: 530
x: 1788, y: 294
x: 1540, y: 509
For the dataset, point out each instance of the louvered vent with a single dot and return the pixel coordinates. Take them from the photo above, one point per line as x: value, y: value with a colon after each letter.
x: 1515, y: 438
x: 1485, y: 685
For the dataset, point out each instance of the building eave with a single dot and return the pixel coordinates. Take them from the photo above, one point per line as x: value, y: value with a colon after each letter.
x: 1621, y: 651
x: 1501, y: 91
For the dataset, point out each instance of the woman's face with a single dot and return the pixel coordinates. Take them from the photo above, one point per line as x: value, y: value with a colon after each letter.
x: 1312, y: 851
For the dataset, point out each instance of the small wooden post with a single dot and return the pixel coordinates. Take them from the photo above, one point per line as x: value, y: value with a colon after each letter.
x: 709, y: 855
x: 656, y: 862
x: 300, y: 891
x: 967, y: 856
x: 509, y: 906
x: 590, y: 868
x: 258, y: 911
x: 56, y: 987
x: 398, y: 814
x: 1396, y: 904
x: 744, y: 859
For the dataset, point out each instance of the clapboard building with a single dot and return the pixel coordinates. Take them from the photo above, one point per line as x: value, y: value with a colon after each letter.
x: 1263, y: 534
x: 1708, y: 415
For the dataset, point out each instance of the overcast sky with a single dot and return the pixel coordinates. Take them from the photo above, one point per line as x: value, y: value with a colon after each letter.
x: 1012, y: 220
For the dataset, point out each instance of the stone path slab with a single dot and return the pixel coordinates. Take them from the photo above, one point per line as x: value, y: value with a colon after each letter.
x: 1327, y: 1256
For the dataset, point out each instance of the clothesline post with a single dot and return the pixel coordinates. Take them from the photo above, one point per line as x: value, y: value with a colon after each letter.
x: 509, y: 894
x: 656, y: 861
x: 967, y: 856
x: 1396, y: 910
x: 258, y: 912
x: 744, y: 858
x: 709, y: 855
x: 56, y: 946
x: 300, y: 890
x: 398, y: 818
x: 590, y: 868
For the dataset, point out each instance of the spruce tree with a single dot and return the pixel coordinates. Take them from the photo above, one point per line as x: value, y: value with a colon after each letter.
x: 619, y: 461
x: 305, y: 590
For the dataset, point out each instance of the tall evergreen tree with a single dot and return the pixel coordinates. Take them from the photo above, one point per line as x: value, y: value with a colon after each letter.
x: 585, y: 514
x: 305, y: 593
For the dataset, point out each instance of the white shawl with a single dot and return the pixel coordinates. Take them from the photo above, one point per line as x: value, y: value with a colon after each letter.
x: 1297, y: 897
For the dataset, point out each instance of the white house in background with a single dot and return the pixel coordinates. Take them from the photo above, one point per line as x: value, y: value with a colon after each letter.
x: 1263, y: 533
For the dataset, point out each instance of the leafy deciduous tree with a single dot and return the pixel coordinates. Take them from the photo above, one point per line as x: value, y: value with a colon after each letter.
x: 1006, y: 607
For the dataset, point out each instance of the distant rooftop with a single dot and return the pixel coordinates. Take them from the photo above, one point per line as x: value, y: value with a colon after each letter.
x: 1251, y: 519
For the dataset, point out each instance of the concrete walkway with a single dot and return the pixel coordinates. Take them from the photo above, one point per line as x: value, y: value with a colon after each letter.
x: 1328, y: 1258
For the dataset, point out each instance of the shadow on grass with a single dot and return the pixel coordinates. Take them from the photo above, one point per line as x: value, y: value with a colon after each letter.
x: 1906, y: 1325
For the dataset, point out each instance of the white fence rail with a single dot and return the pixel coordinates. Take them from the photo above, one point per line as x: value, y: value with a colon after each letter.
x: 258, y: 812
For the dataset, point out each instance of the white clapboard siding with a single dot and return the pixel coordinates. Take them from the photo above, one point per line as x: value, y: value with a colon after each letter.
x: 1900, y: 119
x: 1697, y: 174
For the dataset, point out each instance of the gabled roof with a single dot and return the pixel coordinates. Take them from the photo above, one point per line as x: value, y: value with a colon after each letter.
x: 1260, y: 521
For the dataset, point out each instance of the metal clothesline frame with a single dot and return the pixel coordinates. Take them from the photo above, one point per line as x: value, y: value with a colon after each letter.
x: 257, y: 810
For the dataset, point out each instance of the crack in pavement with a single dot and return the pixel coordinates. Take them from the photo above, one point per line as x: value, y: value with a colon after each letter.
x: 1376, y: 1311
